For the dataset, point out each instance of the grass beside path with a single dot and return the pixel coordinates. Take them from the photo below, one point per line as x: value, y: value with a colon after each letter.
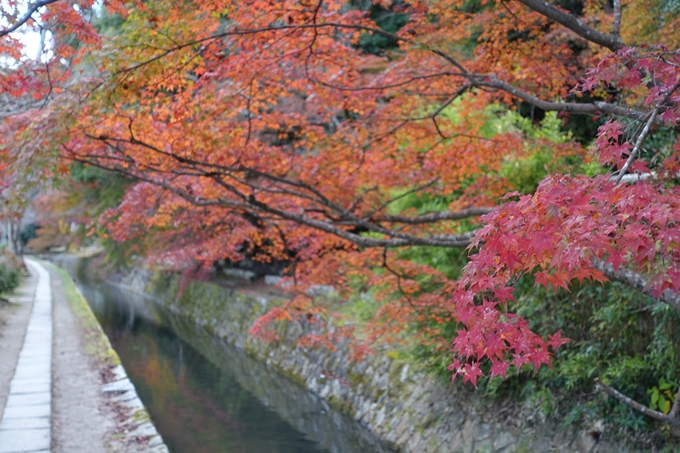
x: 95, y: 341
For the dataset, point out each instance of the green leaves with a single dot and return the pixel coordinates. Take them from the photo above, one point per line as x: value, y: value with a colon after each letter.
x: 662, y: 396
x: 9, y: 272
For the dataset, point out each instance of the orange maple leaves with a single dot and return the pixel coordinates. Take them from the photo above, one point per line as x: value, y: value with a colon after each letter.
x: 263, y: 129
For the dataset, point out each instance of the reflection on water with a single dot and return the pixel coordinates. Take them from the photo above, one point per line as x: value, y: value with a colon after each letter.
x: 206, y: 396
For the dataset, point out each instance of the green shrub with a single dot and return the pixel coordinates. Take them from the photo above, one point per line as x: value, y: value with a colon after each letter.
x: 9, y: 272
x: 9, y: 279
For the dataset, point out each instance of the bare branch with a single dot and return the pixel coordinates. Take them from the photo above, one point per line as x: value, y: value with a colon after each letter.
x: 638, y: 144
x: 637, y: 406
x: 636, y: 281
x: 455, y: 237
x: 571, y: 107
x: 210, y: 170
x: 49, y: 81
x: 32, y: 9
x: 399, y: 277
x: 616, y: 28
x: 251, y: 203
x: 622, y: 177
x: 437, y: 216
x: 612, y: 42
x: 635, y: 177
x: 675, y: 410
x: 41, y: 47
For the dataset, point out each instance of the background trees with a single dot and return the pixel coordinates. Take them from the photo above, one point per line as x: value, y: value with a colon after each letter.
x: 360, y: 142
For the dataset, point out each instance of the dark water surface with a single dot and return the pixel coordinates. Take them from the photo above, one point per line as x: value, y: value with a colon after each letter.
x: 206, y: 396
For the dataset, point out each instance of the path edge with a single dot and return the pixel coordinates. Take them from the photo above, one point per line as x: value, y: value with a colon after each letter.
x: 118, y: 390
x: 97, y: 344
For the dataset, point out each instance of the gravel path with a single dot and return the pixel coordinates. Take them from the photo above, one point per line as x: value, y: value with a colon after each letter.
x: 79, y: 418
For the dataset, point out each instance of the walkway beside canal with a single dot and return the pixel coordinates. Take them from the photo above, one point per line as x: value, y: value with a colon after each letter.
x: 25, y: 424
x: 61, y: 389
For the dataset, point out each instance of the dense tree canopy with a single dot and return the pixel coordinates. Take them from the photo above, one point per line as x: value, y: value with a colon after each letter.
x: 334, y: 135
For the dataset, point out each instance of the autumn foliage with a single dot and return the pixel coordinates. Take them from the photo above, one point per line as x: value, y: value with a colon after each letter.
x: 266, y: 130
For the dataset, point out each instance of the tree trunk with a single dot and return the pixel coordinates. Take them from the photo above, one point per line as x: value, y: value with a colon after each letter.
x: 13, y: 240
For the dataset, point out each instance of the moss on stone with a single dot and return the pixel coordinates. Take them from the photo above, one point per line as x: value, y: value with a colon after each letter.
x: 140, y: 416
x: 357, y: 378
x: 393, y: 354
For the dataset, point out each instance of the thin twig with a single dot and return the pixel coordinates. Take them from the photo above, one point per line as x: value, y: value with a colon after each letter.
x: 638, y: 144
x: 32, y: 9
x: 49, y: 81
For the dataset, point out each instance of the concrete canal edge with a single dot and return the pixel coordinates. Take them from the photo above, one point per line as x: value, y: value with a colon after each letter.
x: 135, y: 424
x: 407, y: 409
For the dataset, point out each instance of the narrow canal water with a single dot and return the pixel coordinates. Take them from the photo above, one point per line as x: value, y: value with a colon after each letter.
x: 206, y: 396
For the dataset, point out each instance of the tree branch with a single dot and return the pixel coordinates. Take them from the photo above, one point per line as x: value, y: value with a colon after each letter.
x: 638, y: 144
x: 637, y: 406
x: 216, y: 172
x: 610, y: 41
x: 635, y: 280
x: 251, y: 203
x: 675, y: 410
x: 571, y: 107
x: 635, y: 177
x: 616, y: 28
x: 26, y: 17
x: 436, y: 216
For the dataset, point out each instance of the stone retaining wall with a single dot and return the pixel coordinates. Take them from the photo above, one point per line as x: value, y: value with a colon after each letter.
x: 406, y: 408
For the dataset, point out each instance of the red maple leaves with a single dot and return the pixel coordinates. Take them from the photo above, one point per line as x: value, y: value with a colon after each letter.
x: 555, y: 235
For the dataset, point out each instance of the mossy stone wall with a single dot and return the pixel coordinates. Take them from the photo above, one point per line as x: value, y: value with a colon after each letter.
x: 408, y: 409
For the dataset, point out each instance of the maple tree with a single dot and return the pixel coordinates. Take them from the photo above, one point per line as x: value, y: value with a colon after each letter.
x: 271, y: 130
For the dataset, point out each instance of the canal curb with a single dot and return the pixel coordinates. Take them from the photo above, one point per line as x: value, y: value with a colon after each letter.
x: 134, y: 425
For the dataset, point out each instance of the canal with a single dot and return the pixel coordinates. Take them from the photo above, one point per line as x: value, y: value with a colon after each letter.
x: 206, y: 396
